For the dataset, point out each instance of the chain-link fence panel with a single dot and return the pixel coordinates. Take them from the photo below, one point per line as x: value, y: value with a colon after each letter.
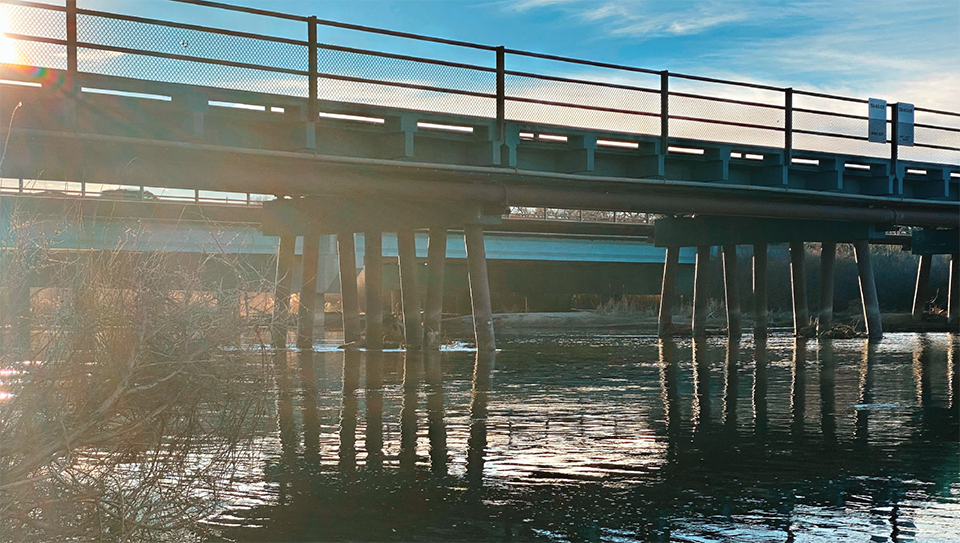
x: 194, y: 47
x: 706, y: 119
x: 582, y: 105
x: 842, y: 127
x: 35, y: 22
x: 365, y: 77
x: 935, y: 129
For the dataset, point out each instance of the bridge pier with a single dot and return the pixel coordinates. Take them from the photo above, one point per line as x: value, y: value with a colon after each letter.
x: 373, y: 287
x: 407, y: 253
x: 308, y: 290
x: 433, y: 312
x: 349, y: 300
x: 868, y: 290
x: 922, y: 286
x: 798, y: 280
x: 671, y: 267
x: 281, y: 292
x: 828, y: 256
x: 760, y: 289
x: 479, y: 288
x: 732, y: 291
x: 700, y: 296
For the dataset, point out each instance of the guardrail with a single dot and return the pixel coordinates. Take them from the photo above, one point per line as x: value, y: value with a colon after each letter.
x: 457, y: 78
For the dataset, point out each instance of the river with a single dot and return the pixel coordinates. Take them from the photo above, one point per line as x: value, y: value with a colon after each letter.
x: 614, y: 438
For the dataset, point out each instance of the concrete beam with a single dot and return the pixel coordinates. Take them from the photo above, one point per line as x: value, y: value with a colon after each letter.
x: 707, y: 230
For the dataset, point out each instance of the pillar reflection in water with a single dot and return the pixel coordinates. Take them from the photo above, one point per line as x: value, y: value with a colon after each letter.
x: 477, y: 442
x: 953, y: 365
x: 311, y: 421
x: 348, y: 412
x: 436, y: 431
x: 373, y: 390
x: 828, y: 395
x: 412, y: 367
x: 701, y: 384
x: 285, y: 424
x: 671, y: 397
x: 867, y: 370
x: 922, y: 371
x: 760, y: 386
x: 798, y: 388
x: 731, y: 385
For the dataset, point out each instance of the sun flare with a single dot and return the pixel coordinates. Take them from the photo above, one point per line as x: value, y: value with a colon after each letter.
x: 8, y: 49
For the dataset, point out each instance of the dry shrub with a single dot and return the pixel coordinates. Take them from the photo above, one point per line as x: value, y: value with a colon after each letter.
x: 133, y: 402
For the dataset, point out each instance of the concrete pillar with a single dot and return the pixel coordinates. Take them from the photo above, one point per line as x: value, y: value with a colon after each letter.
x: 349, y: 303
x: 433, y: 312
x: 23, y: 317
x: 479, y: 288
x: 868, y: 290
x: 407, y: 251
x: 798, y: 279
x: 731, y: 287
x: 921, y: 289
x: 760, y: 289
x: 373, y: 270
x: 671, y: 266
x: 280, y: 319
x: 700, y: 296
x: 308, y: 290
x: 953, y: 298
x: 828, y: 255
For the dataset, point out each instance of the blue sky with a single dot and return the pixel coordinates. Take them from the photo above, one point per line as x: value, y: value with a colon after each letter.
x: 898, y: 50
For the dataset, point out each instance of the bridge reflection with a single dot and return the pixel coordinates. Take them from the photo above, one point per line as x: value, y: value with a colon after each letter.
x: 459, y: 437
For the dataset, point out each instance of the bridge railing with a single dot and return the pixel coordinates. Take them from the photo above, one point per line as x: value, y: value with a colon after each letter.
x: 370, y: 66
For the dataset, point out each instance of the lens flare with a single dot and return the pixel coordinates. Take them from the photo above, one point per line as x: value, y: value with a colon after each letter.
x: 8, y: 49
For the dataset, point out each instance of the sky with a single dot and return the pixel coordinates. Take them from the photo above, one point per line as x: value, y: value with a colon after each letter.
x: 897, y: 50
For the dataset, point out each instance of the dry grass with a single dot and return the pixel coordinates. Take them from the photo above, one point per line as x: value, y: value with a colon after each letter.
x: 132, y: 401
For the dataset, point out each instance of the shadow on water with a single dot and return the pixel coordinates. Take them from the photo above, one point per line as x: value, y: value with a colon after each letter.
x: 616, y: 439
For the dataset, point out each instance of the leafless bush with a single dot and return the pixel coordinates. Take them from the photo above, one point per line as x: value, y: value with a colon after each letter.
x: 132, y: 403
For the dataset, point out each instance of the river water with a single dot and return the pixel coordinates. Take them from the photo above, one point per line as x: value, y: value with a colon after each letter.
x: 609, y: 438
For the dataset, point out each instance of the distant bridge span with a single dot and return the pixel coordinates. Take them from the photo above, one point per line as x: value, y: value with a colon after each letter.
x: 365, y: 140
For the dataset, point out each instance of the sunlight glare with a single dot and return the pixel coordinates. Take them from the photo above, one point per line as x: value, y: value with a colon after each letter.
x: 8, y: 49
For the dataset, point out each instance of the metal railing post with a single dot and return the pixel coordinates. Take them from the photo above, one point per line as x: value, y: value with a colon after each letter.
x: 501, y: 94
x: 312, y: 110
x: 664, y: 111
x: 72, y: 37
x: 894, y: 136
x: 788, y: 125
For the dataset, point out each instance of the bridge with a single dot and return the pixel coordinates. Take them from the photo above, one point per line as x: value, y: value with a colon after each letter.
x: 359, y: 140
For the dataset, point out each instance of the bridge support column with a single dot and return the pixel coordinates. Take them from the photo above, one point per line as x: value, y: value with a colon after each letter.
x: 308, y: 290
x: 479, y: 288
x: 407, y: 251
x: 23, y: 318
x: 731, y: 287
x: 349, y: 302
x: 798, y: 279
x: 671, y: 267
x: 868, y: 290
x: 953, y: 298
x: 828, y: 256
x: 433, y: 313
x: 760, y: 289
x: 700, y: 296
x: 373, y: 286
x: 921, y: 289
x: 281, y: 293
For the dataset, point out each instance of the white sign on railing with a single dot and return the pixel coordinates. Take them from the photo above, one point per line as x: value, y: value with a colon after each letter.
x: 904, y: 124
x: 877, y: 120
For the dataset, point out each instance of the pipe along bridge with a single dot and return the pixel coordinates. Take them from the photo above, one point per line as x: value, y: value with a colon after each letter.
x: 349, y: 139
